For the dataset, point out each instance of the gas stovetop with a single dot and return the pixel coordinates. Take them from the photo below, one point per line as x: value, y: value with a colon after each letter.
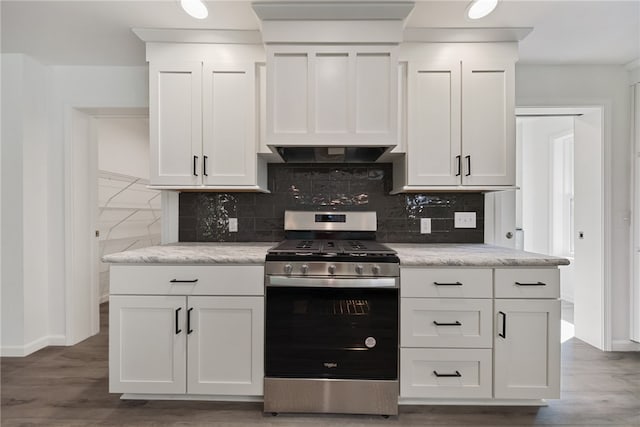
x: 325, y: 247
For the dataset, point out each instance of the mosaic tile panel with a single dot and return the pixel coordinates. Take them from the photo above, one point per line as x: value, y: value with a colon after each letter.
x: 204, y: 217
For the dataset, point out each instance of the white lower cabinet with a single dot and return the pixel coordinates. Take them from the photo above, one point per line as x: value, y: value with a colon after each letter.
x: 445, y: 373
x: 187, y: 344
x: 224, y: 349
x: 527, y: 349
x: 496, y: 335
x: 147, y: 344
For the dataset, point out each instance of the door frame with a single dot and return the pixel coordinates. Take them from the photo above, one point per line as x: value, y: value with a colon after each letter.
x: 573, y: 107
x: 80, y: 325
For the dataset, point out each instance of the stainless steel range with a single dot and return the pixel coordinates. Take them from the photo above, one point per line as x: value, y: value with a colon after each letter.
x: 331, y: 327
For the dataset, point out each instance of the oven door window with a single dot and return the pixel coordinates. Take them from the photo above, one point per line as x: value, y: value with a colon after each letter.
x: 331, y: 333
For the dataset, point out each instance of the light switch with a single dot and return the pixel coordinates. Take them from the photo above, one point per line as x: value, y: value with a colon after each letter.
x: 425, y: 225
x: 233, y: 225
x: 464, y: 220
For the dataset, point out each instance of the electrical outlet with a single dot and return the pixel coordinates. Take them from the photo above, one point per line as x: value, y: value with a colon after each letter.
x: 464, y: 220
x: 425, y: 225
x: 233, y: 225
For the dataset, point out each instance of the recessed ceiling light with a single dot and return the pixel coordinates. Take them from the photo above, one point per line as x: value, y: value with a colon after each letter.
x: 481, y: 8
x: 195, y: 8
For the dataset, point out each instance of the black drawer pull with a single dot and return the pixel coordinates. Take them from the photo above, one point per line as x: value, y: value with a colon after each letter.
x: 447, y: 324
x: 504, y: 325
x: 531, y: 284
x: 468, y: 165
x: 189, y: 330
x: 178, y: 330
x: 447, y: 284
x: 183, y: 281
x: 195, y: 165
x: 459, y: 161
x: 457, y: 374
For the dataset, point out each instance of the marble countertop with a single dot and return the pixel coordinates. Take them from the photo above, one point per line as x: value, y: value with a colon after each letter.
x: 459, y: 254
x: 410, y: 254
x: 195, y: 253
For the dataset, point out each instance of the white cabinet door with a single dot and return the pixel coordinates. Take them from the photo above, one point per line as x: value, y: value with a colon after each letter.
x: 229, y: 135
x: 527, y: 349
x: 226, y: 345
x: 147, y: 344
x: 175, y: 123
x: 488, y: 123
x: 332, y: 95
x: 433, y: 149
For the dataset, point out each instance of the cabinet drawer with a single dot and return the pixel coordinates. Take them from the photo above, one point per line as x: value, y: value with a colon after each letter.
x: 445, y: 373
x: 446, y: 283
x: 435, y: 322
x: 527, y: 283
x: 187, y: 279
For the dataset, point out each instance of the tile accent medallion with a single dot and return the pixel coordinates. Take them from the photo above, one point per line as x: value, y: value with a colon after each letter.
x: 204, y: 217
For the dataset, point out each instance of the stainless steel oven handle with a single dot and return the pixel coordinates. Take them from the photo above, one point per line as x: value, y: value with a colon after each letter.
x: 332, y: 282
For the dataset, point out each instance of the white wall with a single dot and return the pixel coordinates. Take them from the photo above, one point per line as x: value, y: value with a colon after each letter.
x: 36, y: 101
x: 24, y: 138
x: 542, y: 85
x: 123, y: 145
x: 79, y: 87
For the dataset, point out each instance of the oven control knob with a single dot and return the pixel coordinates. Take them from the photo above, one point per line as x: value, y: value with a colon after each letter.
x: 375, y: 269
x: 288, y: 268
x: 359, y: 269
x: 332, y: 269
x: 304, y: 268
x: 370, y: 342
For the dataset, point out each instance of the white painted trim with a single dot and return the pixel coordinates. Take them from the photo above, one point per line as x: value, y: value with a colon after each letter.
x: 32, y: 347
x: 68, y: 220
x: 339, y: 32
x: 466, y: 35
x: 586, y: 105
x: 473, y: 402
x: 104, y: 298
x: 206, y: 397
x: 625, y: 345
x: 175, y: 35
x: 634, y: 215
x: 170, y: 214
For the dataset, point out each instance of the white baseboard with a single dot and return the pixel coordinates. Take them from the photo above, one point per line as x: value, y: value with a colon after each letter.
x: 625, y: 345
x: 32, y: 347
x: 104, y: 298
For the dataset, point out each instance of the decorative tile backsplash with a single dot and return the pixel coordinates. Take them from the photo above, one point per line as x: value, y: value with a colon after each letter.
x: 204, y: 217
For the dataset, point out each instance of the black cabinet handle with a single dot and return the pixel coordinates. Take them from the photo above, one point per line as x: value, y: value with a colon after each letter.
x: 204, y: 164
x: 457, y: 374
x: 504, y: 325
x: 182, y: 281
x: 531, y: 284
x: 447, y: 324
x: 468, y: 165
x: 195, y: 165
x: 178, y: 330
x: 189, y: 330
x: 447, y: 284
x: 459, y: 161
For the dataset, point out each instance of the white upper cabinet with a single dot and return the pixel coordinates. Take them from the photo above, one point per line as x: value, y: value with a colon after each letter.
x: 434, y: 150
x: 229, y: 137
x: 175, y: 120
x: 203, y: 126
x: 332, y: 95
x: 488, y: 123
x: 461, y: 119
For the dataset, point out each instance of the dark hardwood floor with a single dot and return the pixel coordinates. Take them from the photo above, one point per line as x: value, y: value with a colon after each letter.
x: 68, y: 386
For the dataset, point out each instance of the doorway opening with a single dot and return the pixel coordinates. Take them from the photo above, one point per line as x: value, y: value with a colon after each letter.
x: 107, y: 205
x: 560, y: 208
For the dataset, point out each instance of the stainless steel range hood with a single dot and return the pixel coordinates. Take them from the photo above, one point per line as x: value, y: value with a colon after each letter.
x: 330, y: 154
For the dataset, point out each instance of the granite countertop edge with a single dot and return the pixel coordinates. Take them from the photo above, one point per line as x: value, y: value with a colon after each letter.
x: 410, y: 254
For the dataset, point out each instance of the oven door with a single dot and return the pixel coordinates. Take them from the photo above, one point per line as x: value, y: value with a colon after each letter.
x: 331, y: 328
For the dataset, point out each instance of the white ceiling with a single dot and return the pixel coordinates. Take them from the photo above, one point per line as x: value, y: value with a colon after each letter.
x: 99, y: 32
